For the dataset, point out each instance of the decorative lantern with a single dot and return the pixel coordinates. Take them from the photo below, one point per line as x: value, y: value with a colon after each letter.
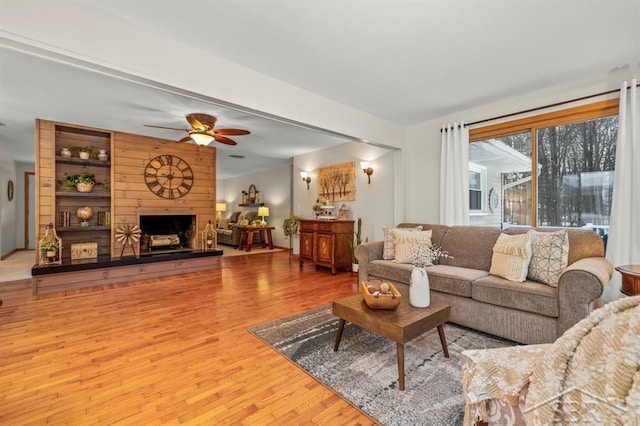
x: 50, y: 247
x: 209, y: 237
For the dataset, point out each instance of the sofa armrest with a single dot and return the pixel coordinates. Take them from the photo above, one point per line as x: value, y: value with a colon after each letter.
x: 365, y: 253
x: 580, y: 288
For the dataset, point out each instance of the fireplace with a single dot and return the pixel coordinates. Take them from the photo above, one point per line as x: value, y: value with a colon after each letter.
x: 167, y: 233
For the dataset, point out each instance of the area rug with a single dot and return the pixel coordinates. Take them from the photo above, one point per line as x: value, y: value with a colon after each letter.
x: 364, y: 370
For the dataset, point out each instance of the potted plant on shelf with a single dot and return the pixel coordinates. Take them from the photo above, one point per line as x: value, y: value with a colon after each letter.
x: 50, y: 249
x: 83, y: 182
x: 84, y: 152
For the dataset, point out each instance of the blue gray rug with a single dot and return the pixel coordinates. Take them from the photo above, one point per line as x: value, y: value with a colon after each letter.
x: 364, y: 370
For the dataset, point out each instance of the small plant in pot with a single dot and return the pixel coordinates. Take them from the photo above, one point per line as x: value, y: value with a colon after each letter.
x: 355, y: 243
x: 84, y: 152
x: 50, y: 249
x: 83, y: 182
x: 209, y: 238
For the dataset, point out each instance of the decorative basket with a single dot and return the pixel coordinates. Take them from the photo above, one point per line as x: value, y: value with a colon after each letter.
x: 381, y: 301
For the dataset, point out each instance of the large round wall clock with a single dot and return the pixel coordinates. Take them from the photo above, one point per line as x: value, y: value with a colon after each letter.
x: 168, y: 176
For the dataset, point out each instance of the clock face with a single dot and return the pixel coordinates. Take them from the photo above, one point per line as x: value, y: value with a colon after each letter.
x: 168, y: 176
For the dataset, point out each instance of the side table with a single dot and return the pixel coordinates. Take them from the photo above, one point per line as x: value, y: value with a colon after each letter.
x: 630, y: 279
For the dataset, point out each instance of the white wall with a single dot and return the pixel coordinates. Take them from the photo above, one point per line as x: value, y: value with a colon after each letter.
x: 422, y: 154
x: 275, y: 193
x: 375, y: 202
x: 8, y: 209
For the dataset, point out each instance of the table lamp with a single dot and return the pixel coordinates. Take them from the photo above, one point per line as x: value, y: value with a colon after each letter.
x: 221, y: 207
x: 263, y: 211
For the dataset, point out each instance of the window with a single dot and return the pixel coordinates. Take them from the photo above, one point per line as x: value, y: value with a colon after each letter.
x: 477, y: 188
x: 554, y: 169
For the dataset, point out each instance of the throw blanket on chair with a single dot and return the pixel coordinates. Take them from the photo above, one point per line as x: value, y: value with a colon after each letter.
x: 590, y: 375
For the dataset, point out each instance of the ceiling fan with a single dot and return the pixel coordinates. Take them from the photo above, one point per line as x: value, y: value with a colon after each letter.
x: 202, y: 131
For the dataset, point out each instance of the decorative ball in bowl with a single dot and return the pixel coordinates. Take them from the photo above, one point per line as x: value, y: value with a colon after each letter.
x: 380, y: 295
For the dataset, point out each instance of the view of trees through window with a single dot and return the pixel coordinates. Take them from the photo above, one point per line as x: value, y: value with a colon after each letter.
x: 573, y: 183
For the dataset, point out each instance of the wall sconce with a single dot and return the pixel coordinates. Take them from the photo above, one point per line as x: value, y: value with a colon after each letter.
x: 305, y: 178
x: 367, y: 169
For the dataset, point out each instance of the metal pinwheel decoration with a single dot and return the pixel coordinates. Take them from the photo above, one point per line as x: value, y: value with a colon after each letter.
x: 128, y: 235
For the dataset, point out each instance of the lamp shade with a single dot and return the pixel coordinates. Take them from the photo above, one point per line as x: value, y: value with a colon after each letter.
x: 201, y: 138
x: 221, y: 207
x: 263, y: 211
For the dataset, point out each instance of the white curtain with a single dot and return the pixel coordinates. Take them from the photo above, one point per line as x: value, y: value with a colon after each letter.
x: 623, y: 245
x: 454, y: 175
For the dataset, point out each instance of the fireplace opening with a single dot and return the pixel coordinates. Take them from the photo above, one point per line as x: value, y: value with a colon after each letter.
x: 167, y: 233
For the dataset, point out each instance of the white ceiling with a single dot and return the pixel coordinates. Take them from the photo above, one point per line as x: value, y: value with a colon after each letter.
x: 405, y: 61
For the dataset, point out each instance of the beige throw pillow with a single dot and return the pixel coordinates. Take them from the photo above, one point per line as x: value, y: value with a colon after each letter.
x: 223, y: 224
x: 550, y: 256
x: 388, y: 250
x: 511, y: 257
x: 405, y: 240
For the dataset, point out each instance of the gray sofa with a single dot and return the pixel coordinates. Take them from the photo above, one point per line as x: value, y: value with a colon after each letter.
x: 230, y: 234
x: 528, y: 312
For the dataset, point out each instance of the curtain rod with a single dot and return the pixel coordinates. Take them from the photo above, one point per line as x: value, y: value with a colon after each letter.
x: 545, y: 106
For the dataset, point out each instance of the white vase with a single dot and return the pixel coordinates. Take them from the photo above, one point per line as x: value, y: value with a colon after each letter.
x: 419, y: 288
x: 84, y: 155
x: 102, y: 155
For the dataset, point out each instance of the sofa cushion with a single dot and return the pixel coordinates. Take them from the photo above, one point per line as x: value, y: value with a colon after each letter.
x: 550, y: 255
x: 390, y: 270
x: 452, y: 279
x: 469, y: 246
x: 582, y: 242
x: 511, y: 257
x: 224, y: 231
x: 388, y: 251
x: 234, y: 217
x: 529, y: 296
x: 223, y: 224
x: 407, y: 243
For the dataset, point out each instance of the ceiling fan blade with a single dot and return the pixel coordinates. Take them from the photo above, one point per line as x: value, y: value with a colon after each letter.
x: 162, y: 127
x: 225, y: 140
x: 186, y: 139
x: 233, y: 132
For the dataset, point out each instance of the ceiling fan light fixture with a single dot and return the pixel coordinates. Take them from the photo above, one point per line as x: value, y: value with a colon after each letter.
x: 201, y: 138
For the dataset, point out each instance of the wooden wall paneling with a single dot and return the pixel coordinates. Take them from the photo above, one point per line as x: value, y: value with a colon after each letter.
x: 128, y: 193
x: 132, y: 197
x: 45, y: 179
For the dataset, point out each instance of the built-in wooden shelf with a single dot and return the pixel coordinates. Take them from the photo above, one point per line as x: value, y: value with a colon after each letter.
x: 83, y: 228
x: 83, y: 194
x: 80, y: 161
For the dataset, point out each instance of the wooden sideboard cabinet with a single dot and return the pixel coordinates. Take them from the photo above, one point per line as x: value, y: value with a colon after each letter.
x: 326, y: 243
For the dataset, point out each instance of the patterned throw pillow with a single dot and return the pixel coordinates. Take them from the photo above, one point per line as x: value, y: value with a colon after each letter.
x: 405, y: 240
x: 550, y: 256
x: 388, y: 250
x: 511, y: 257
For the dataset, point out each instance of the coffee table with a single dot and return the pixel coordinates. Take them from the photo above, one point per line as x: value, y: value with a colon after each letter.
x: 400, y: 325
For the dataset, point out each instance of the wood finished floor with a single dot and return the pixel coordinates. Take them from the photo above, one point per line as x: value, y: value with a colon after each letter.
x: 174, y: 350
